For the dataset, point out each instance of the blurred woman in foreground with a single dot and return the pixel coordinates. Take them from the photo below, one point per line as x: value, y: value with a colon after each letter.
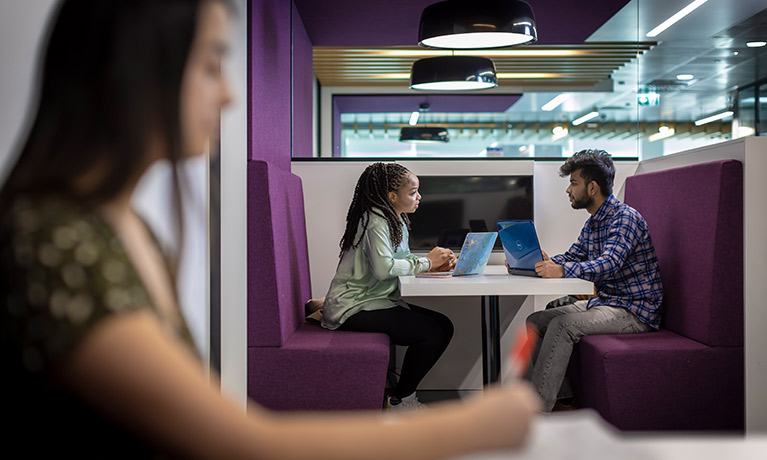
x: 97, y: 359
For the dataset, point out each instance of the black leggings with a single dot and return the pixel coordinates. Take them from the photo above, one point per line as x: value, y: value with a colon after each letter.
x: 426, y: 334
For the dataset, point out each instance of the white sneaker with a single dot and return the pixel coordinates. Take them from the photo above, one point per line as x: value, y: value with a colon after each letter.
x: 407, y: 403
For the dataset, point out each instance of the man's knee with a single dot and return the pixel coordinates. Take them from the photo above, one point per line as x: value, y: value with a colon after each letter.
x: 565, y: 325
x: 538, y: 319
x: 562, y: 301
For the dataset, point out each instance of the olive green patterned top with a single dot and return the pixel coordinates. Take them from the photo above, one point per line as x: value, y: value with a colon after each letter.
x: 63, y: 270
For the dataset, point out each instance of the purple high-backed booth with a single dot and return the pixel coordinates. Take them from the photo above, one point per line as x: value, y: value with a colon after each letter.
x: 690, y: 374
x: 293, y: 365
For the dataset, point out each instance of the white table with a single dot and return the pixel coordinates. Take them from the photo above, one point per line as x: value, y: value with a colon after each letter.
x: 584, y: 434
x: 490, y: 285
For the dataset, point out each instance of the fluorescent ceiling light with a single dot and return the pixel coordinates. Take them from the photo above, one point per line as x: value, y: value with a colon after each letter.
x: 554, y: 103
x: 675, y: 18
x: 685, y: 76
x: 663, y: 132
x: 744, y: 131
x: 585, y: 118
x: 558, y: 133
x: 414, y: 118
x: 751, y: 100
x: 756, y: 44
x: 715, y: 117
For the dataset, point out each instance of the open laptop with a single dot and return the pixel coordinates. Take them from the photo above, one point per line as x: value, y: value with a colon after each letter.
x: 520, y: 245
x: 475, y: 252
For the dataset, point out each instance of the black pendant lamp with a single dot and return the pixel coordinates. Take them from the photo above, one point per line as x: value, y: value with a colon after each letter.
x: 453, y: 73
x: 477, y: 24
x: 423, y: 134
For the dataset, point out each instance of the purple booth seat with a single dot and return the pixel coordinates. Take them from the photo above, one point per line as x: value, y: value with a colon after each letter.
x: 293, y: 365
x: 689, y: 375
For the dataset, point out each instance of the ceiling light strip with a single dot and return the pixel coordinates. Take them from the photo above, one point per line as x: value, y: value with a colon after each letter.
x: 554, y: 103
x: 585, y: 118
x: 714, y: 117
x: 662, y: 134
x: 675, y: 18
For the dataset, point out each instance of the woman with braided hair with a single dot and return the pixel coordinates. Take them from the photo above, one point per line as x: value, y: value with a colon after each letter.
x: 364, y: 294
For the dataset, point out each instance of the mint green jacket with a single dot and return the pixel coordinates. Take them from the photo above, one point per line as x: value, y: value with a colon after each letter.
x: 367, y: 276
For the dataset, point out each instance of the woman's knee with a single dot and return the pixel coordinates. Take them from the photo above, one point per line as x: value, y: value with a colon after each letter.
x: 438, y: 328
x: 447, y: 326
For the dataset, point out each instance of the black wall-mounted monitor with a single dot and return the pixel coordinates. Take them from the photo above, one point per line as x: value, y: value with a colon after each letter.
x: 452, y: 206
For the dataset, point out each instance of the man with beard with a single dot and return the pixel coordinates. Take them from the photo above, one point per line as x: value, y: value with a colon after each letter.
x: 615, y: 252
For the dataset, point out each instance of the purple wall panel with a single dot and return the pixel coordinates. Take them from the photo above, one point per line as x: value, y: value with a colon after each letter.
x: 278, y: 259
x: 303, y: 81
x: 269, y: 82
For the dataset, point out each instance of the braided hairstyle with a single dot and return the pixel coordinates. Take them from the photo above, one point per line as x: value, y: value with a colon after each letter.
x: 372, y: 191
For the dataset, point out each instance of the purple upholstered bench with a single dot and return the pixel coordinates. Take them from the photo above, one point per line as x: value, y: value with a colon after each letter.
x: 689, y: 375
x: 293, y: 365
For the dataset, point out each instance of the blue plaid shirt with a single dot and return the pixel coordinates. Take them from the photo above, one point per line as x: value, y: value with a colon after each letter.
x: 615, y: 252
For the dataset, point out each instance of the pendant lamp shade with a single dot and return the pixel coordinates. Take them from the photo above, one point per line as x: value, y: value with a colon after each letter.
x: 462, y: 24
x: 423, y: 134
x: 453, y: 73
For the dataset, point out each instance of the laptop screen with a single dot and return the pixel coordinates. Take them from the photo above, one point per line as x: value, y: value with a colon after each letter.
x: 520, y: 243
x: 475, y: 253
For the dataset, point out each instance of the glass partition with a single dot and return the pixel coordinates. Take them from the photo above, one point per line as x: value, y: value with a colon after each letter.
x: 621, y: 90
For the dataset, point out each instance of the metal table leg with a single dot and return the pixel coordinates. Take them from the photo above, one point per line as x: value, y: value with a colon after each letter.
x: 491, y: 340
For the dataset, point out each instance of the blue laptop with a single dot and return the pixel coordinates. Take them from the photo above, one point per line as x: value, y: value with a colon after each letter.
x: 475, y: 253
x: 520, y: 245
x: 476, y: 250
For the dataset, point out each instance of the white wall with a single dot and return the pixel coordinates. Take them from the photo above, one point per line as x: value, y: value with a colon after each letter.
x: 22, y: 24
x: 328, y: 189
x: 152, y: 200
x: 234, y: 148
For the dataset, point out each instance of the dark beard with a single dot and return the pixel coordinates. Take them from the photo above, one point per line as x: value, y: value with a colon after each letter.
x: 582, y: 203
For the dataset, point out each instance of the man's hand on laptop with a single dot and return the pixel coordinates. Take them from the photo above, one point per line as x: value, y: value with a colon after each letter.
x: 549, y: 269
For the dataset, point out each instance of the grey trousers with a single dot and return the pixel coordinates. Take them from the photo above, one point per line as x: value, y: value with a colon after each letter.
x: 558, y: 330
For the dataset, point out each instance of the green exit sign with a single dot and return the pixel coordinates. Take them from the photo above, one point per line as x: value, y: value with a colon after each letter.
x: 648, y: 98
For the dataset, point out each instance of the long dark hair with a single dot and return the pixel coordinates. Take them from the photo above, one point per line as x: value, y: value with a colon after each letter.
x: 109, y: 99
x: 372, y: 191
x: 111, y: 82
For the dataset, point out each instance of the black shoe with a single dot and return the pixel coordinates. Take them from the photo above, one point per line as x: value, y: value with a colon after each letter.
x: 562, y: 406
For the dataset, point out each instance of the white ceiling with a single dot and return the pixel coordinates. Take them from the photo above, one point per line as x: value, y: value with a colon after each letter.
x: 709, y: 44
